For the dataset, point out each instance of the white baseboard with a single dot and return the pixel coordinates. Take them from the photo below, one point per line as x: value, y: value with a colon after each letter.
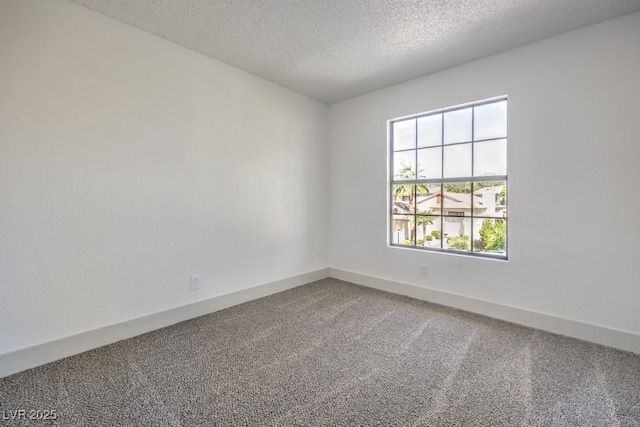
x: 30, y: 357
x: 40, y: 354
x: 622, y: 340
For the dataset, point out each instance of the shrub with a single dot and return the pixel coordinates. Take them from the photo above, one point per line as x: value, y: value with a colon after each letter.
x: 436, y: 234
x: 493, y: 235
x: 412, y: 242
x: 459, y: 242
x: 429, y: 238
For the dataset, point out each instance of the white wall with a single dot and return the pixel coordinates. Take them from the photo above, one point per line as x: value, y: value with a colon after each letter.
x: 128, y: 163
x: 574, y: 153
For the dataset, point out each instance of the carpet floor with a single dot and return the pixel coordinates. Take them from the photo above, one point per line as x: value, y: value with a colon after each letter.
x: 331, y: 353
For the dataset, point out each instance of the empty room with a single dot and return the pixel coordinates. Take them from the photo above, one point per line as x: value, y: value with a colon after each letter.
x: 319, y: 213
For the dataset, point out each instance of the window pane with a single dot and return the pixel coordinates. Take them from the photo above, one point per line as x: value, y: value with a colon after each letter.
x: 425, y: 225
x: 430, y: 162
x: 457, y: 126
x: 403, y: 230
x: 422, y: 192
x: 403, y: 197
x: 457, y: 161
x: 435, y: 231
x: 457, y: 210
x: 428, y: 199
x: 430, y: 131
x: 456, y: 199
x: 457, y: 233
x: 491, y: 236
x: 490, y: 121
x: 490, y: 197
x: 404, y: 134
x: 404, y: 165
x: 490, y: 158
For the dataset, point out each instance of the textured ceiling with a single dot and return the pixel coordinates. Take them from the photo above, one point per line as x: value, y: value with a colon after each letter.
x: 332, y: 50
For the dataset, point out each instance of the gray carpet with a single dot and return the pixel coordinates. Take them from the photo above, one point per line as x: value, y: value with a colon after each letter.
x: 335, y: 354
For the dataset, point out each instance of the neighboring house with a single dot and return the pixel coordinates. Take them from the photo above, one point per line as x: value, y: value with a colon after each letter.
x: 456, y: 209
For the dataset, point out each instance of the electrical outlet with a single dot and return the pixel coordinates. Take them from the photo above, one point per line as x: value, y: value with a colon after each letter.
x: 194, y: 283
x: 424, y: 271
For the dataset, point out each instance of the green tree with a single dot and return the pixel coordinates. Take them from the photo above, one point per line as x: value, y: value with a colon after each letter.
x: 503, y: 196
x: 458, y: 187
x: 493, y: 235
x: 424, y: 219
x: 465, y: 187
x: 405, y: 173
x: 410, y: 191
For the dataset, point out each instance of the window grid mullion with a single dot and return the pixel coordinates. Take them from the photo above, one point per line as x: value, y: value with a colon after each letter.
x: 441, y: 181
x: 452, y: 180
x: 473, y: 172
x: 415, y: 187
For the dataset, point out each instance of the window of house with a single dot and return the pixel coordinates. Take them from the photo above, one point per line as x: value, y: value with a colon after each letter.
x: 448, y: 184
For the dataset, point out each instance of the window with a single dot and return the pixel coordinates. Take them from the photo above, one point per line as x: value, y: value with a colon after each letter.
x: 448, y: 184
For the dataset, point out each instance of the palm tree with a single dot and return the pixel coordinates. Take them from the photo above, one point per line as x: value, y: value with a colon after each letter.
x: 410, y: 191
x: 423, y: 219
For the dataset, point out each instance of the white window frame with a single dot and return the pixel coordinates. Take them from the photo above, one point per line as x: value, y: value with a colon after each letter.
x: 391, y: 213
